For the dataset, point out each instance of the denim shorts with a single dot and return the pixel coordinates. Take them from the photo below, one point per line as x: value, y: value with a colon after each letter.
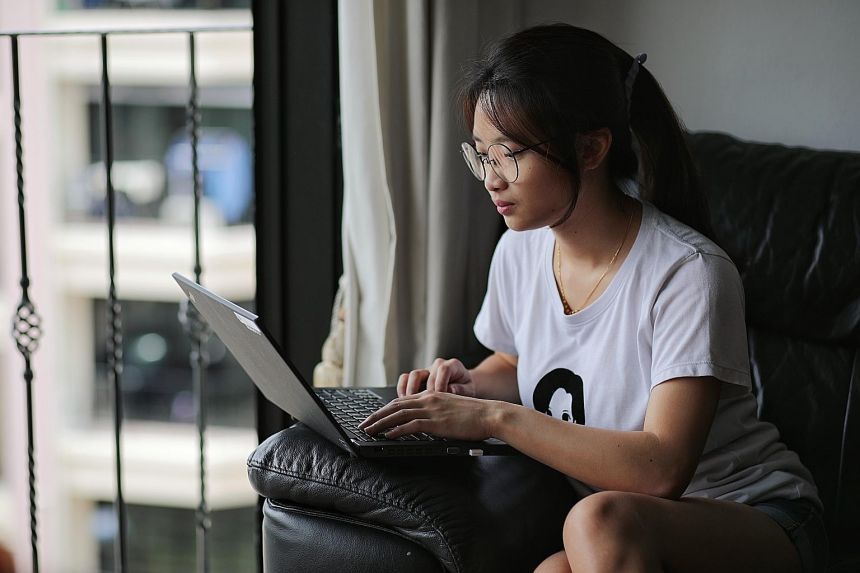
x: 803, y: 524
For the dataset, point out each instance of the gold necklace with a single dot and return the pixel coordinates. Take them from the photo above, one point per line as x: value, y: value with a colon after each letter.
x: 567, y: 308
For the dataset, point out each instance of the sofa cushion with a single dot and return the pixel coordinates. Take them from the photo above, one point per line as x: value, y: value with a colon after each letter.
x: 474, y: 515
x: 789, y: 217
x: 294, y: 536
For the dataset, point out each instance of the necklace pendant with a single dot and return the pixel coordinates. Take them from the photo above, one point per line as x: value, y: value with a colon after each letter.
x: 568, y: 310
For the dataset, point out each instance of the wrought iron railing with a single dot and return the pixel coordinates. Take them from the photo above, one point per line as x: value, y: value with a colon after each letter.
x: 26, y: 323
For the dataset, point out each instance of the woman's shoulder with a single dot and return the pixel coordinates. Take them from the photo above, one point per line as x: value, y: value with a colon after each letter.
x: 674, y: 239
x: 520, y: 254
x: 677, y: 252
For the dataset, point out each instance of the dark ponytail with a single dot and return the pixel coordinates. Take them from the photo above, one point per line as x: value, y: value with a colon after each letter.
x: 553, y: 82
x: 667, y: 175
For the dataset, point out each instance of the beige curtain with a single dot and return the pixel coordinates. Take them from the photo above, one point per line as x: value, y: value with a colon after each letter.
x: 418, y: 230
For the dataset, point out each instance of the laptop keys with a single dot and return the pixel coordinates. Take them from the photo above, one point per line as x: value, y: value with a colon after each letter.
x: 352, y: 408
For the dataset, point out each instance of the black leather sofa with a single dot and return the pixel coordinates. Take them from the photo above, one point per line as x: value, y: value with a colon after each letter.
x: 790, y: 219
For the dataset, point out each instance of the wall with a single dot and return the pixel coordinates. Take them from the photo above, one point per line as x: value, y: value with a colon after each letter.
x: 783, y: 71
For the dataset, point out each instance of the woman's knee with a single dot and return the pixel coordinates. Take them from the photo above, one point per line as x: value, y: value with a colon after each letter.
x: 555, y: 563
x: 606, y: 515
x: 606, y: 532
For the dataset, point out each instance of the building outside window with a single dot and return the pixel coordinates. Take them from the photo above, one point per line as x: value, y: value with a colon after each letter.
x: 67, y: 241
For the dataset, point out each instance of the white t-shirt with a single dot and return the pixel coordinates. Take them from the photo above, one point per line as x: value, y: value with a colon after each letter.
x: 674, y: 308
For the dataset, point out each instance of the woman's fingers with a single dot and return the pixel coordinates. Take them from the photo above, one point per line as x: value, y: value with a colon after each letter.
x: 411, y: 427
x: 441, y: 380
x: 444, y: 373
x: 396, y: 420
x: 415, y: 380
x: 394, y: 406
x: 438, y: 378
x: 432, y: 379
x: 439, y: 413
x: 401, y: 384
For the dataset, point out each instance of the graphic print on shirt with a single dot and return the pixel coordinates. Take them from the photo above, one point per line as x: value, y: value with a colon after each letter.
x: 559, y: 394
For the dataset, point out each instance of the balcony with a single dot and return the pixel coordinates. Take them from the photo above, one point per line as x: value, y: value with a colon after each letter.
x: 68, y: 256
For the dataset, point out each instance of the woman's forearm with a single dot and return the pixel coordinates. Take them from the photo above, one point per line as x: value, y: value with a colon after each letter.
x: 606, y: 459
x: 496, y: 379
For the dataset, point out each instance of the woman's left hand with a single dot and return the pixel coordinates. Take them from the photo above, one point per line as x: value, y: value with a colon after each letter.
x: 439, y: 413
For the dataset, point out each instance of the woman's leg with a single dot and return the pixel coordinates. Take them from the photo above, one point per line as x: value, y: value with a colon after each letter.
x: 619, y: 531
x: 555, y: 563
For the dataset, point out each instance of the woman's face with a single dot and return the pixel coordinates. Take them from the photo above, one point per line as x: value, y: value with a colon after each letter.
x: 541, y: 194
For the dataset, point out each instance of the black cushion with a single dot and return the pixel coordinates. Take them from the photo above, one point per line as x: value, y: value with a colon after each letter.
x: 789, y: 217
x: 307, y: 539
x: 472, y: 514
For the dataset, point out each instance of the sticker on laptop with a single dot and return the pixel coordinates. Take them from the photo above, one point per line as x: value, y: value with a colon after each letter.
x: 249, y: 324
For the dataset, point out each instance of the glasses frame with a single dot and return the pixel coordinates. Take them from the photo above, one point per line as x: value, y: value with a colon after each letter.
x: 484, y: 159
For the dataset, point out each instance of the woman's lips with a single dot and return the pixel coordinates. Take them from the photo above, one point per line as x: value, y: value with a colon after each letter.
x: 503, y: 207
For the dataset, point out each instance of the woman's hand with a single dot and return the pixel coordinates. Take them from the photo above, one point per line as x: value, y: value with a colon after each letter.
x: 442, y: 376
x: 439, y: 413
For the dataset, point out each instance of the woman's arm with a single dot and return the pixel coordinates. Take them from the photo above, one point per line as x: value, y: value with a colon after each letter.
x: 659, y: 460
x: 496, y: 378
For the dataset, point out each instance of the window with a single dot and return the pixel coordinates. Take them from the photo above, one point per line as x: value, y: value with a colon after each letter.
x: 152, y: 156
x: 161, y: 539
x: 156, y: 375
x: 65, y: 189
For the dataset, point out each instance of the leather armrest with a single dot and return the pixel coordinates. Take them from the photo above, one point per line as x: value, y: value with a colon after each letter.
x: 483, y: 514
x: 293, y: 537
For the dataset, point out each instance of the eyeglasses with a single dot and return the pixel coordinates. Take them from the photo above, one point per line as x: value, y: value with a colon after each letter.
x: 499, y: 156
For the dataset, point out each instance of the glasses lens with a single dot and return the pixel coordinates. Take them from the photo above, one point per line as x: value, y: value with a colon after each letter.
x: 473, y: 161
x: 503, y: 162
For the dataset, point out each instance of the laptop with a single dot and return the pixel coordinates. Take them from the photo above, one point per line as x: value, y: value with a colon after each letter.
x: 334, y: 413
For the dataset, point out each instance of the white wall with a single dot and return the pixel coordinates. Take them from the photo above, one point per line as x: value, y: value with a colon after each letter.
x: 783, y: 71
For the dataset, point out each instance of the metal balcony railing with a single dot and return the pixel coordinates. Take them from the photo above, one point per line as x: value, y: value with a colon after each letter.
x: 27, y: 323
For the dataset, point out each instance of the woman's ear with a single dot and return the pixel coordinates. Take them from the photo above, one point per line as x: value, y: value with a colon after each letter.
x: 593, y: 147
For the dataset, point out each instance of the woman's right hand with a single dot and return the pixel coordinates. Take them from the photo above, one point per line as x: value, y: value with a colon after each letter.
x: 442, y: 376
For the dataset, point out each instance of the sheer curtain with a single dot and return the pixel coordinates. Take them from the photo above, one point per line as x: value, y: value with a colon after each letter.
x: 418, y: 230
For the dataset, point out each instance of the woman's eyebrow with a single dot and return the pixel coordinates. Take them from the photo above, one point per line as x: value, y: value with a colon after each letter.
x: 499, y: 140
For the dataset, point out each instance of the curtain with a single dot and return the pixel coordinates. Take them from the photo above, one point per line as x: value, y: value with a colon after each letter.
x: 418, y: 229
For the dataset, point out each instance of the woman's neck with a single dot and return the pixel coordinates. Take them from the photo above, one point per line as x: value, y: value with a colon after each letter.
x: 595, y: 229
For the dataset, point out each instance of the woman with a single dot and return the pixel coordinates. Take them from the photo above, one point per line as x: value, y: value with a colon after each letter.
x: 617, y: 326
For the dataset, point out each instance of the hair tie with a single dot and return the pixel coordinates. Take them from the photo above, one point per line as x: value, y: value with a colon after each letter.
x: 631, y: 78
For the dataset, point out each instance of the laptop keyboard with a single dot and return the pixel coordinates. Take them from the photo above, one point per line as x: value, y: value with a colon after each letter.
x: 353, y: 407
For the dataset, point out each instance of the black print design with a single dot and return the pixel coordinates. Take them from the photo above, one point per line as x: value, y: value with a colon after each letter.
x: 559, y: 394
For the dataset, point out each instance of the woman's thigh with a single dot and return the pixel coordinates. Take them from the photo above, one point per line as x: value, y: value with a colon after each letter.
x: 685, y: 535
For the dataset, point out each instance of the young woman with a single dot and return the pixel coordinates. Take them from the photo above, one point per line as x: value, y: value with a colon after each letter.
x: 617, y: 326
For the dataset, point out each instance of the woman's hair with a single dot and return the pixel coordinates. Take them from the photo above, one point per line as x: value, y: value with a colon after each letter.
x: 553, y: 82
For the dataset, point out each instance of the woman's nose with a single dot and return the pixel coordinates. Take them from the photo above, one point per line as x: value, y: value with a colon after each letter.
x: 492, y: 181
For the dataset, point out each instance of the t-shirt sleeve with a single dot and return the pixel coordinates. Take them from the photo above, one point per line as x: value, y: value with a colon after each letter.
x: 494, y: 326
x: 699, y: 327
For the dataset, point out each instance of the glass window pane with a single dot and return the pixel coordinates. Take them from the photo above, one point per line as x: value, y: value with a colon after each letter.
x: 156, y: 375
x: 161, y: 539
